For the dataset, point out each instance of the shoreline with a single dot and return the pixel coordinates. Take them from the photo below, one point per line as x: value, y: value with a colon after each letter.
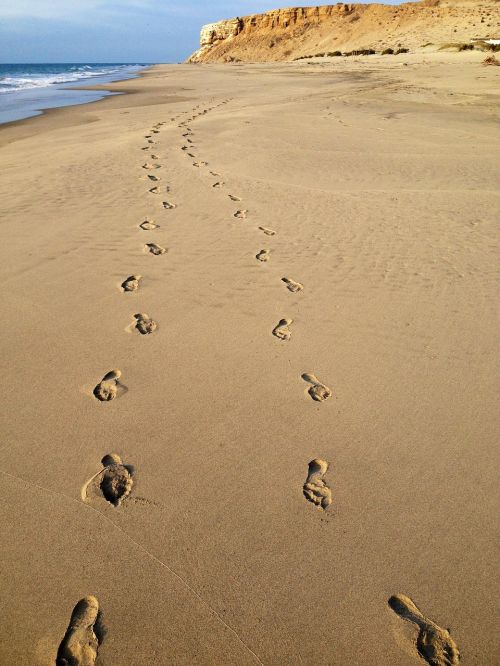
x: 285, y: 276
x: 68, y: 115
x: 351, y: 68
x: 99, y: 87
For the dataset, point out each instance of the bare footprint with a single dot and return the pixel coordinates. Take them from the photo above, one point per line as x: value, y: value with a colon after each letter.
x: 241, y: 214
x: 80, y: 644
x: 317, y: 390
x: 114, y: 482
x: 148, y: 225
x: 151, y: 166
x: 268, y: 232
x: 233, y: 198
x: 116, y: 479
x: 315, y: 488
x: 131, y: 283
x: 144, y: 324
x: 282, y: 331
x: 291, y: 285
x: 434, y: 644
x: 263, y: 255
x: 155, y: 249
x: 109, y: 386
x: 168, y: 206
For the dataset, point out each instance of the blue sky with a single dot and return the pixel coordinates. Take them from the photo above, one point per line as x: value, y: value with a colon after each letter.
x: 114, y: 30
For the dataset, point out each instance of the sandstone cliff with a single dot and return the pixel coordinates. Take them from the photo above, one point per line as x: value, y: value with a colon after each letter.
x: 287, y: 34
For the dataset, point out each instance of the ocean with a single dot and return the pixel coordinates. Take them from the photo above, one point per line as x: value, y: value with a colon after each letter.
x: 27, y: 89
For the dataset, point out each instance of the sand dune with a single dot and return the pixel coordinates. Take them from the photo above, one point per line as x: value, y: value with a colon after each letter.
x: 248, y: 418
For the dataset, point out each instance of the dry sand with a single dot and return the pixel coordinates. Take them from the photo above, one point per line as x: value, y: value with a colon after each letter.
x: 380, y: 180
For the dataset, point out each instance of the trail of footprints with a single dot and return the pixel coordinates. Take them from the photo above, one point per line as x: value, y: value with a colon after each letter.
x: 114, y: 482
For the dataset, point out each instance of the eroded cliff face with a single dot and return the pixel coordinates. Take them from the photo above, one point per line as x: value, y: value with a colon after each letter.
x: 214, y: 33
x: 286, y: 34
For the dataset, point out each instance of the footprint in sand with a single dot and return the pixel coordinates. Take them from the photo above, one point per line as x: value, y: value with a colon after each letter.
x: 168, y: 206
x: 219, y: 184
x: 155, y: 249
x: 131, y: 283
x: 281, y: 331
x: 185, y: 148
x: 200, y: 164
x: 233, y: 198
x: 146, y: 148
x: 154, y: 178
x: 434, y: 644
x: 263, y: 255
x: 144, y: 324
x: 151, y: 142
x: 151, y: 166
x: 192, y: 155
x: 159, y: 190
x: 215, y: 174
x: 315, y: 488
x: 80, y: 644
x: 114, y: 482
x: 116, y: 479
x: 154, y: 157
x: 291, y: 285
x: 268, y: 232
x: 241, y: 214
x: 317, y: 390
x: 109, y: 386
x: 148, y: 225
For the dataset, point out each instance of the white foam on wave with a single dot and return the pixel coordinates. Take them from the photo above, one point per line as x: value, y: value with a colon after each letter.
x: 26, y: 82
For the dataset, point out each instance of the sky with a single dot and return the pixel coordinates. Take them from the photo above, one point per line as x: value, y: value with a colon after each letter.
x: 149, y: 31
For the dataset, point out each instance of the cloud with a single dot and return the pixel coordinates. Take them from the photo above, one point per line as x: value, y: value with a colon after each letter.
x: 74, y: 9
x: 46, y: 9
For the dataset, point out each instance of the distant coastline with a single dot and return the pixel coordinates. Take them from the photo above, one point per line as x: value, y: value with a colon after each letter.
x: 27, y: 90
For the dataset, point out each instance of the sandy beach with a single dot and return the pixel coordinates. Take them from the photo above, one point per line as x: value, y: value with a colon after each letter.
x: 278, y: 264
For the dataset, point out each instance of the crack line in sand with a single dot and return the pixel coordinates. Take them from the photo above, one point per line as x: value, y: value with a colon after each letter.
x: 153, y: 557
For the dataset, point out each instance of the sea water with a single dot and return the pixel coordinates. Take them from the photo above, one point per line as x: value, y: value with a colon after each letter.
x: 27, y: 89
